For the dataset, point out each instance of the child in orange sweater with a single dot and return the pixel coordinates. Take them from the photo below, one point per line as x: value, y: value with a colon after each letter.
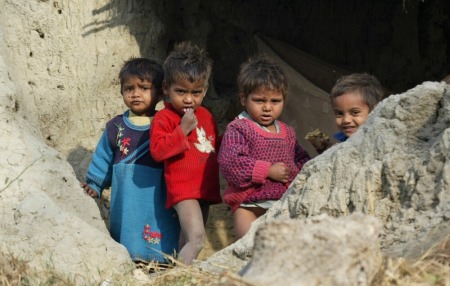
x: 184, y: 136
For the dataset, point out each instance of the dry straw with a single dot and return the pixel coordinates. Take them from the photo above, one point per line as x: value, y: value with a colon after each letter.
x: 433, y: 268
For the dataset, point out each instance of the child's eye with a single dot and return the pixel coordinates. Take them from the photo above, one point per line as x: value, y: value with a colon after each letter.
x: 338, y: 114
x: 180, y: 91
x: 197, y: 92
x: 355, y: 112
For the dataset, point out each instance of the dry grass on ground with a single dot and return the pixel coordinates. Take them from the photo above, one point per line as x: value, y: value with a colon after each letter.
x: 433, y: 268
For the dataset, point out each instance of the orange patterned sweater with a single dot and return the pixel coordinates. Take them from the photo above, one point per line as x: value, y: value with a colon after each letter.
x: 191, y: 170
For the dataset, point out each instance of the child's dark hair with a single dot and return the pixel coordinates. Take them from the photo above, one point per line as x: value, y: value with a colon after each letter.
x: 261, y: 72
x: 144, y: 69
x: 187, y: 61
x: 367, y: 85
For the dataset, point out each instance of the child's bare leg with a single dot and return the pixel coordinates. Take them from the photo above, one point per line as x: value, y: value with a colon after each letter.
x: 243, y: 218
x: 193, y: 230
x: 205, y: 213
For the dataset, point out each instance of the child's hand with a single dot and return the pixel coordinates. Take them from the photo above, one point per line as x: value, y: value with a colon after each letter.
x: 188, y: 121
x: 279, y: 172
x: 88, y: 190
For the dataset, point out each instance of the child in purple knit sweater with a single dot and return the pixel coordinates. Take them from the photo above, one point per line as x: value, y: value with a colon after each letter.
x: 259, y: 156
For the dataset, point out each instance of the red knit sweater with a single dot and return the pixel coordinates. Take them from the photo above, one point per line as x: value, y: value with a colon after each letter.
x: 246, y: 154
x: 191, y: 170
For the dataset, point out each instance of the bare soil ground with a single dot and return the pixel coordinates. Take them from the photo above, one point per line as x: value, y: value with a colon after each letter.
x: 219, y: 230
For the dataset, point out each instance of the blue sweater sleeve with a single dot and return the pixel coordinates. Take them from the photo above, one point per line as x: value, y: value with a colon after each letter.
x: 99, y: 173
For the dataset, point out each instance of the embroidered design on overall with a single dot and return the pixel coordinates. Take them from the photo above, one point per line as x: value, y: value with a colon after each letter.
x: 122, y: 143
x: 204, y: 144
x: 154, y: 237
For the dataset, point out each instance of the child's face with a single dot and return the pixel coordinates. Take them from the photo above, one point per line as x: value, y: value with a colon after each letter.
x: 140, y: 96
x: 351, y: 112
x: 185, y: 95
x: 264, y: 106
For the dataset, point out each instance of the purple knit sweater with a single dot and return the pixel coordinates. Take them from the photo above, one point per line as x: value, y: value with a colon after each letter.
x: 245, y: 156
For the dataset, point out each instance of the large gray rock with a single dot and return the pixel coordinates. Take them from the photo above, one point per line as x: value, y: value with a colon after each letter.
x: 44, y: 217
x: 395, y: 168
x: 317, y: 251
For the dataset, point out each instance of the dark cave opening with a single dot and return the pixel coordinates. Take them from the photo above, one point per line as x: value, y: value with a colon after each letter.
x: 402, y: 42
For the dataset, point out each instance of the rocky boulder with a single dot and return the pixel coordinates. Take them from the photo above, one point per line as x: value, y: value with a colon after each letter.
x: 396, y: 168
x: 45, y: 219
x: 322, y: 251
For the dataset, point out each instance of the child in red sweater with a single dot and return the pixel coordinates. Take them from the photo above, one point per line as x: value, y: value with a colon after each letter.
x: 259, y: 155
x: 184, y: 136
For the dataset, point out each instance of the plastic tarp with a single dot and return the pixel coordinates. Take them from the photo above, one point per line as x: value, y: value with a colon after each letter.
x: 307, y: 106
